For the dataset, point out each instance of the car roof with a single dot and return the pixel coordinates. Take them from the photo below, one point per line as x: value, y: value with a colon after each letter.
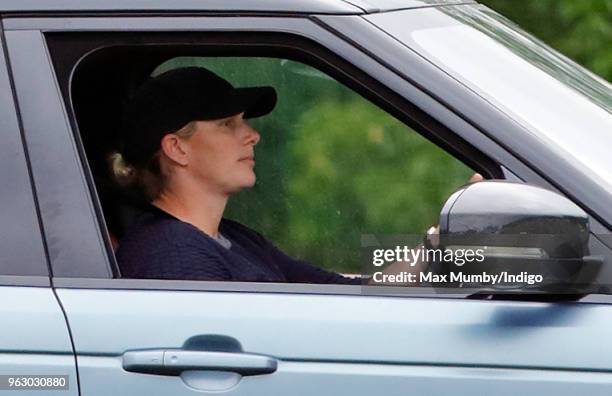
x: 285, y: 6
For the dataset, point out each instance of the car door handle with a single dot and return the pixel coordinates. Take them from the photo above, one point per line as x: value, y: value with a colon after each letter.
x: 175, y: 361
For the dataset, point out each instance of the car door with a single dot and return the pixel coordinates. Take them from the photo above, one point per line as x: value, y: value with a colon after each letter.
x: 35, y: 348
x: 161, y: 337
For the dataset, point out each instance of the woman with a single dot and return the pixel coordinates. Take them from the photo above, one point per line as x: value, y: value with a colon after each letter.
x: 188, y: 146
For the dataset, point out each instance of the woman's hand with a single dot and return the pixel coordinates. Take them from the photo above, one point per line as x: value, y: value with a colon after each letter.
x: 476, y: 177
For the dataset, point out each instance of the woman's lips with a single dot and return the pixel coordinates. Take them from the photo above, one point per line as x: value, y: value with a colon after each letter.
x: 249, y: 159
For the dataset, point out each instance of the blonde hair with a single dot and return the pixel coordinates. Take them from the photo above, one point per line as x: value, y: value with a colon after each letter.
x: 149, y: 178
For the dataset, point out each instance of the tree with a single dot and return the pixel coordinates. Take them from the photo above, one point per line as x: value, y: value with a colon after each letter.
x: 580, y: 29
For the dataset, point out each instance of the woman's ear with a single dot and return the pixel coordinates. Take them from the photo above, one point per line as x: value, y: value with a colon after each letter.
x: 174, y: 148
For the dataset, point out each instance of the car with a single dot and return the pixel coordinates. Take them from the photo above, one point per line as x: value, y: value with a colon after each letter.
x: 470, y: 87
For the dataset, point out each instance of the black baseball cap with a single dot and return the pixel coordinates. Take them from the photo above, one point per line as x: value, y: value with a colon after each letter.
x: 169, y: 101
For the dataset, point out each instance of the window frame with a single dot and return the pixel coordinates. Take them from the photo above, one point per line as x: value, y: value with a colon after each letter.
x: 301, y: 29
x: 30, y: 250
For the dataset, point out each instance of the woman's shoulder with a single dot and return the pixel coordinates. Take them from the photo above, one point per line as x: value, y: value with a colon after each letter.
x: 162, y: 246
x: 152, y: 232
x: 239, y: 232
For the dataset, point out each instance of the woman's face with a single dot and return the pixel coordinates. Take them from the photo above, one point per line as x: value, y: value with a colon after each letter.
x: 220, y: 153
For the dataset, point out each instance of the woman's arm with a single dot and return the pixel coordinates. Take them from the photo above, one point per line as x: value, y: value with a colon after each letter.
x: 302, y: 271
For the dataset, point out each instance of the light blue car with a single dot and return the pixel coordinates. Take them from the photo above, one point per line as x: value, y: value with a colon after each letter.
x: 487, y: 95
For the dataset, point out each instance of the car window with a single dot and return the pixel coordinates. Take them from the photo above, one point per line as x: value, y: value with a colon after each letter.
x: 477, y: 46
x: 21, y: 247
x: 331, y: 166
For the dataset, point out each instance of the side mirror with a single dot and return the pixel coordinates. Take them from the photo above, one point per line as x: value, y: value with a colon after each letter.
x: 519, y: 230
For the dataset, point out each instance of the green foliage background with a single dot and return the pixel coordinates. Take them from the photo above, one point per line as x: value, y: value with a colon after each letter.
x: 580, y: 29
x: 331, y: 166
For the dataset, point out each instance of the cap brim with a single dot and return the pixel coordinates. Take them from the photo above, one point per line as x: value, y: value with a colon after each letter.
x: 253, y: 101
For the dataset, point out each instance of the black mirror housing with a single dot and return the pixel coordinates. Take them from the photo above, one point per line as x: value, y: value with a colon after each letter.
x: 521, y: 229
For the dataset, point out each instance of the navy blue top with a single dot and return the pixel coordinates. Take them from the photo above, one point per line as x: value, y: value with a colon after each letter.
x: 160, y: 246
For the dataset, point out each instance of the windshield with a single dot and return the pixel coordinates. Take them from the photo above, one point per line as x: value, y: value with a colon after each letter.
x: 560, y: 102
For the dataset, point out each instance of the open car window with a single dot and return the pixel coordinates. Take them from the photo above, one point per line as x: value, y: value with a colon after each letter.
x: 331, y: 166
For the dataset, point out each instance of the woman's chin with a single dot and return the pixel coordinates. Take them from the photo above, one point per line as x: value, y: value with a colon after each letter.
x: 246, y: 182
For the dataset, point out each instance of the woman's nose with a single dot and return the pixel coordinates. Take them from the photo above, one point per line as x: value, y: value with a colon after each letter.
x: 253, y: 136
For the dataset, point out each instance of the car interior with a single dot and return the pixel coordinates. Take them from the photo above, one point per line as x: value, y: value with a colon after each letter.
x: 98, y: 88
